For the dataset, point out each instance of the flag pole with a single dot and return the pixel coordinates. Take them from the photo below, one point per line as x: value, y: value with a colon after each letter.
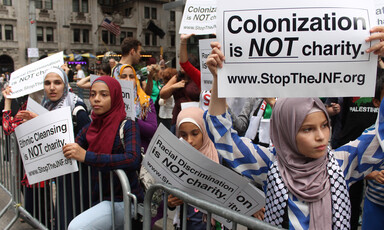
x: 98, y: 27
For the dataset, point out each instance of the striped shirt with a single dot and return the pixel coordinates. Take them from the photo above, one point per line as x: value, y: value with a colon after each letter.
x: 375, y: 191
x: 253, y: 161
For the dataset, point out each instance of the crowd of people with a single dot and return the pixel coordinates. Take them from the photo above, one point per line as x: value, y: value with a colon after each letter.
x: 281, y: 144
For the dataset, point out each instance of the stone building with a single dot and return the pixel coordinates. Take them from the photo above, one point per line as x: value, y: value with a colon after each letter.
x: 74, y: 26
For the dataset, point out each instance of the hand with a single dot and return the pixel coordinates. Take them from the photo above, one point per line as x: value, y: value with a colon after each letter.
x: 25, y: 115
x: 184, y: 38
x: 74, y: 151
x: 174, y: 201
x: 7, y: 91
x: 378, y: 34
x: 380, y: 177
x: 260, y: 214
x: 215, y: 59
x: 179, y: 84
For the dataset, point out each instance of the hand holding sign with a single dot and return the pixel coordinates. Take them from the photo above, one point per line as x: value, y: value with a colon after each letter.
x: 377, y: 48
x: 74, y: 151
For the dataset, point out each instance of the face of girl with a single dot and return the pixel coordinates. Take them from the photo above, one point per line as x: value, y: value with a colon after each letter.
x: 53, y: 86
x: 192, y: 134
x: 312, y: 138
x: 100, y: 98
x: 127, y: 75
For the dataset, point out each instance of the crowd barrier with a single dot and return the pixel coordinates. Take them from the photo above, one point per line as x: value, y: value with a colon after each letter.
x: 46, y: 201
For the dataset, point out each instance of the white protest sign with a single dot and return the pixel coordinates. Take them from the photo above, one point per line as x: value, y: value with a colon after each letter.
x: 199, y: 17
x: 296, y: 48
x: 35, y: 107
x: 127, y: 93
x: 40, y: 142
x: 174, y: 162
x: 379, y: 4
x: 204, y: 51
x: 30, y: 78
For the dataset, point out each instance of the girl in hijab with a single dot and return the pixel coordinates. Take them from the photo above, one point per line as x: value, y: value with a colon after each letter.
x: 144, y: 106
x: 190, y: 126
x: 99, y: 145
x: 57, y: 95
x: 306, y: 184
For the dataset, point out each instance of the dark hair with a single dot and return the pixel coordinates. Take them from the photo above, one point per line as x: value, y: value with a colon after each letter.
x: 128, y: 44
x: 379, y: 82
x: 106, y: 68
x: 194, y: 61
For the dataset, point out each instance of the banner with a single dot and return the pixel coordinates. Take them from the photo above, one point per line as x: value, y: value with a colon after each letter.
x: 177, y: 163
x: 41, y: 141
x: 204, y: 51
x: 199, y: 17
x: 30, y: 78
x: 296, y: 48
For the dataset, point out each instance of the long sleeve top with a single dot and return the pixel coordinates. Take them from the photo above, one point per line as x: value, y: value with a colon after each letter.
x: 128, y: 159
x: 192, y: 72
x: 148, y: 127
x: 355, y: 159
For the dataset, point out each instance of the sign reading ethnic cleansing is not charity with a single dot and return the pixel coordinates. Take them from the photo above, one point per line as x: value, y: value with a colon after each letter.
x: 199, y: 17
x: 41, y: 141
x: 30, y: 78
x: 296, y: 48
x: 177, y: 163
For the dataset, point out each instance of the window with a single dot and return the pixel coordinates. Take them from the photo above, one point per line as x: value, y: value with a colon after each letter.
x: 49, y: 34
x: 104, y: 36
x: 128, y: 12
x: 154, y: 13
x: 173, y: 40
x: 85, y: 36
x: 76, y: 35
x: 154, y: 40
x: 8, y: 32
x: 44, y: 4
x: 1, y: 32
x: 146, y: 12
x: 39, y: 4
x: 125, y: 35
x: 80, y: 6
x: 147, y: 39
x: 172, y: 16
x: 7, y: 2
x: 39, y: 33
x: 48, y: 4
x: 112, y: 39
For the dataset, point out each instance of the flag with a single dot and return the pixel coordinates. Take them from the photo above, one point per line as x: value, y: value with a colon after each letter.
x: 110, y: 26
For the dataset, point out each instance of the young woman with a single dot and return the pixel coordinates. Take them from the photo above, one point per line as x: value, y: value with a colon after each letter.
x: 190, y: 126
x: 99, y: 145
x: 145, y: 109
x: 306, y: 184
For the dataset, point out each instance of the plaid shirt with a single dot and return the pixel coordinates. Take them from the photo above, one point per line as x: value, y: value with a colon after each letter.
x: 128, y: 159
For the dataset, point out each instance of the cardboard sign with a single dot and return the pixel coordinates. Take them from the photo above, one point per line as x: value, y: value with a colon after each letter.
x: 199, y: 17
x: 177, y: 163
x: 204, y: 51
x: 41, y: 141
x: 30, y: 78
x: 296, y: 49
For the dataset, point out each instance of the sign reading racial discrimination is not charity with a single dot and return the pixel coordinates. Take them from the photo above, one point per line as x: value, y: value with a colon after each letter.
x: 30, y: 78
x: 199, y: 17
x: 296, y: 48
x: 177, y: 163
x: 41, y: 141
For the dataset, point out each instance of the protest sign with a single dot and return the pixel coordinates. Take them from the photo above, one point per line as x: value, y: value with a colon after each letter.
x: 379, y: 4
x: 128, y: 97
x: 199, y: 17
x: 30, y: 78
x: 35, y: 107
x: 296, y: 48
x: 40, y: 141
x: 177, y: 163
x: 204, y: 51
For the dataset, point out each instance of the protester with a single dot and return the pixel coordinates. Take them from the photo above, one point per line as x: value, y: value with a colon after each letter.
x: 130, y: 51
x: 144, y: 107
x: 79, y: 75
x: 190, y: 126
x: 300, y: 161
x: 99, y: 145
x: 166, y: 105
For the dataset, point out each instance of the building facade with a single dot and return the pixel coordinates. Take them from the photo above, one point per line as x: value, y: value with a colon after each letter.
x: 74, y: 26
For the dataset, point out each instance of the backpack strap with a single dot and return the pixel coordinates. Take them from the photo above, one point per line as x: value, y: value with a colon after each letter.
x: 121, y: 132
